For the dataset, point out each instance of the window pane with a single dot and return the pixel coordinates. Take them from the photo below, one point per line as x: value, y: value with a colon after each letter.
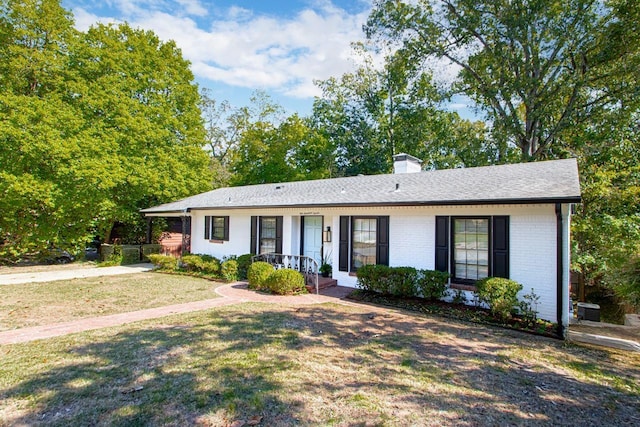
x: 267, y: 246
x: 217, y: 231
x: 472, y: 271
x: 471, y: 253
x: 363, y: 242
x: 461, y: 270
x: 483, y: 272
x: 483, y: 241
x: 267, y: 235
x: 471, y: 240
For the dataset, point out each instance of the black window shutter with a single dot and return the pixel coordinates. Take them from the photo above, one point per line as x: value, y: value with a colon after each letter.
x: 226, y: 228
x: 500, y: 246
x: 254, y: 236
x: 278, y: 234
x: 343, y: 247
x: 207, y: 227
x: 442, y: 243
x: 382, y: 241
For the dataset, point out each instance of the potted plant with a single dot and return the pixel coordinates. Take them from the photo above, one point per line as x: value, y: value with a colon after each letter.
x: 326, y: 269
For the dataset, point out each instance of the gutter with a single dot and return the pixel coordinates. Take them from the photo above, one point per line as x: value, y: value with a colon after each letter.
x: 533, y: 201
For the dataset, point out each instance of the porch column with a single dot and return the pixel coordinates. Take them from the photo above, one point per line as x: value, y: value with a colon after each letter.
x: 184, y: 236
x: 149, y: 230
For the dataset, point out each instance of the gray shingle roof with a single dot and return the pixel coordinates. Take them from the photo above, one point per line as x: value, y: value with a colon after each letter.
x: 540, y: 182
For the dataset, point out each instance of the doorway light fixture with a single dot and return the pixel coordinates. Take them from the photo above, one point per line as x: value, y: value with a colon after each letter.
x: 326, y: 235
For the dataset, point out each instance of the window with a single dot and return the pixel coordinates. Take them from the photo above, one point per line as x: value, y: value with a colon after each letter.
x: 471, y: 248
x: 216, y: 227
x: 267, y: 235
x: 363, y: 242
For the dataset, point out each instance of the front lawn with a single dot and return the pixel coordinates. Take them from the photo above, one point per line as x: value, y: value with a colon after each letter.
x: 44, y: 303
x: 273, y: 365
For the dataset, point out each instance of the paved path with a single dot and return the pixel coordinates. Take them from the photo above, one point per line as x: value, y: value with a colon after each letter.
x: 603, y: 340
x: 54, y: 275
x: 234, y: 293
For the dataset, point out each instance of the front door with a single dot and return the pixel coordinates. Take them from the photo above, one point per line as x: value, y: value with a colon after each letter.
x: 312, y: 238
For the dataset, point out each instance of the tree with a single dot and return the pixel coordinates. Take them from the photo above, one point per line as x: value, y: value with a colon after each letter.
x: 606, y: 227
x: 376, y: 112
x: 40, y: 133
x: 537, y: 67
x: 287, y: 152
x: 224, y: 126
x: 141, y: 102
x: 93, y: 127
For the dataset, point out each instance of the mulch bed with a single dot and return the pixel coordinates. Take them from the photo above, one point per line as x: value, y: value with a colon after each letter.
x: 455, y: 311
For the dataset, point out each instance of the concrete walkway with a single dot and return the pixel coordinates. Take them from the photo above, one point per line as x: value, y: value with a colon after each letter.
x: 54, y: 275
x: 602, y: 340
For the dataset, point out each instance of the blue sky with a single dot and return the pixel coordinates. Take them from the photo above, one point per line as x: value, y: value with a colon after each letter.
x: 238, y: 46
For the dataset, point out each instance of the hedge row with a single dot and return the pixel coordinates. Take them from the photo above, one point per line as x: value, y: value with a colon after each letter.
x: 126, y: 254
x: 205, y: 265
x: 500, y: 295
x: 403, y: 281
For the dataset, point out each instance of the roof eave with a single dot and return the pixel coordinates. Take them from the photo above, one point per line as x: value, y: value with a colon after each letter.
x: 530, y: 201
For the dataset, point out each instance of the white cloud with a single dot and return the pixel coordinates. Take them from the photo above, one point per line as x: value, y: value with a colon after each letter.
x: 247, y: 49
x: 193, y: 7
x: 84, y: 19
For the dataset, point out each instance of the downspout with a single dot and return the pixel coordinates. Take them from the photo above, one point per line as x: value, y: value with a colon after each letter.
x: 560, y: 272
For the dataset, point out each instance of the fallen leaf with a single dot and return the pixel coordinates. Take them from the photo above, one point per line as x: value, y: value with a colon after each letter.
x: 237, y: 423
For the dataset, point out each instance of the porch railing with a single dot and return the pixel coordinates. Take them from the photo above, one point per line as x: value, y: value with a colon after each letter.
x: 304, y: 264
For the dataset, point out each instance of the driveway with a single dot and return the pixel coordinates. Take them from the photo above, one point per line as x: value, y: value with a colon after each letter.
x: 67, y: 274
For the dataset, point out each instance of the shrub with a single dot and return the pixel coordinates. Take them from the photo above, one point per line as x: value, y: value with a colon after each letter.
x: 528, y: 308
x: 164, y: 262
x: 501, y: 295
x: 373, y: 278
x: 286, y: 281
x: 130, y: 254
x: 208, y: 258
x: 244, y: 261
x: 432, y: 285
x: 211, y: 266
x: 398, y: 281
x: 258, y: 274
x: 229, y: 270
x: 192, y: 263
x: 107, y: 251
x: 401, y: 281
x: 149, y: 249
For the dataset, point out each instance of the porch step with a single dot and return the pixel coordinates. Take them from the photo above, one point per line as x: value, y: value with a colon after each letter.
x: 323, y: 283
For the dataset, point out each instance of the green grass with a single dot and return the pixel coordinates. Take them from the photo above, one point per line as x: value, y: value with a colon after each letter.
x: 44, y: 303
x: 313, y: 365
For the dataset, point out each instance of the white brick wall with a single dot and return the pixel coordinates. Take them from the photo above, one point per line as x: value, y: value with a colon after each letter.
x: 412, y: 234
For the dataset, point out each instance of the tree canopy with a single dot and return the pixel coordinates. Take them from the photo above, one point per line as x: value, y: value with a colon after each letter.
x: 93, y: 127
x: 537, y: 67
x: 379, y: 111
